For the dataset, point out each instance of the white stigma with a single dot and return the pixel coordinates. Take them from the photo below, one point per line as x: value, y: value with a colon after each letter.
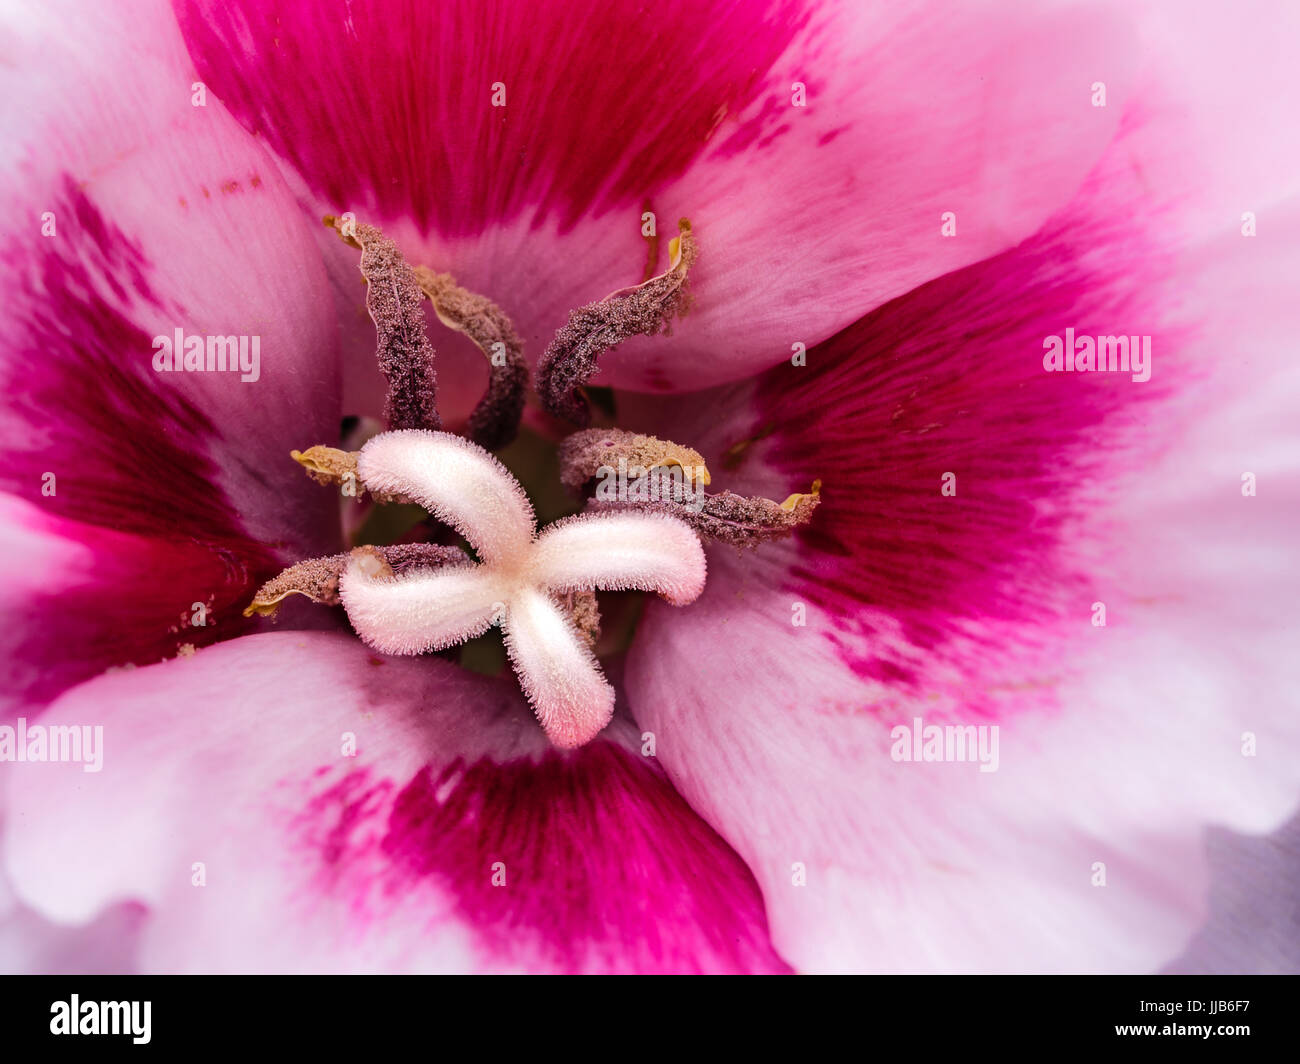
x: 519, y: 575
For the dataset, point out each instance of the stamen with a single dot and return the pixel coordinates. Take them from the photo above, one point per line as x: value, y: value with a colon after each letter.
x: 736, y: 519
x: 318, y: 578
x: 646, y: 310
x: 584, y: 611
x: 396, y: 306
x: 495, y: 420
x: 583, y: 454
x: 327, y: 465
x: 743, y: 521
x: 331, y: 466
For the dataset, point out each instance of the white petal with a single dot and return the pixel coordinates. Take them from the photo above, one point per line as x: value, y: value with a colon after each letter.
x: 420, y: 611
x: 458, y: 482
x: 621, y: 551
x: 558, y: 673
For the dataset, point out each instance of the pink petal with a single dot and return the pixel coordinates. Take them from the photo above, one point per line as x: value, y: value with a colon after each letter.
x: 1118, y: 743
x: 1227, y: 145
x: 78, y: 599
x: 381, y: 862
x: 169, y: 488
x: 32, y: 945
x: 167, y: 216
x: 646, y: 552
x: 821, y: 211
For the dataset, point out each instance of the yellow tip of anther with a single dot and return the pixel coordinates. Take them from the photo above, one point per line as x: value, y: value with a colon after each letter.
x: 264, y: 607
x: 675, y: 244
x: 794, y: 500
x: 325, y: 461
x: 697, y: 474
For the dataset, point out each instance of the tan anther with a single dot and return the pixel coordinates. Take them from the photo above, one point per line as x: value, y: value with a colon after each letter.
x: 396, y: 306
x: 318, y: 578
x: 372, y: 562
x: 329, y: 465
x: 584, y: 453
x: 644, y: 310
x: 494, y: 422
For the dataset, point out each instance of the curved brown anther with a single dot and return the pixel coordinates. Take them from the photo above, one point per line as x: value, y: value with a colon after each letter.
x: 495, y: 420
x: 646, y: 310
x: 621, y: 465
x: 318, y: 578
x: 585, y: 455
x: 396, y: 306
x: 743, y: 521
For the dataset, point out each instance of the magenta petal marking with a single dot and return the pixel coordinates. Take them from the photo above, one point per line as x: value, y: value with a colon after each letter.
x: 950, y: 379
x: 385, y: 99
x: 600, y: 864
x: 133, y: 482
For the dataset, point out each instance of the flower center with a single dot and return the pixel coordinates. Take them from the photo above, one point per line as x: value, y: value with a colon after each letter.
x: 476, y: 559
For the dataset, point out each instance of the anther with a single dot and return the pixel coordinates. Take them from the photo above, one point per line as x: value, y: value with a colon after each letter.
x: 396, y: 306
x: 646, y: 310
x: 494, y: 422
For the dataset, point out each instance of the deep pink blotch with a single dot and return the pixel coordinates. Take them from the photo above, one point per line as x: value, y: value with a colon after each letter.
x: 134, y: 485
x: 950, y: 378
x: 418, y: 135
x: 606, y: 866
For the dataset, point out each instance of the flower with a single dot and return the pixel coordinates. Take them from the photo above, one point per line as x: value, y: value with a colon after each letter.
x: 897, y: 212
